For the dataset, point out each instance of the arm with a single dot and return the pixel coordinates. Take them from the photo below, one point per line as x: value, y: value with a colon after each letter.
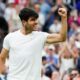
x: 3, y: 56
x: 59, y: 37
x: 69, y: 47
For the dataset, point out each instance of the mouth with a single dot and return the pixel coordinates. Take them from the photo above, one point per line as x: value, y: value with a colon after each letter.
x: 37, y: 27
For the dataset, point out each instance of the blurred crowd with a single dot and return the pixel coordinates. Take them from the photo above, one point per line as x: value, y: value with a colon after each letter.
x: 60, y: 61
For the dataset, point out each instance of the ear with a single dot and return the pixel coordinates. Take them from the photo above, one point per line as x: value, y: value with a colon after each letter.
x: 24, y: 22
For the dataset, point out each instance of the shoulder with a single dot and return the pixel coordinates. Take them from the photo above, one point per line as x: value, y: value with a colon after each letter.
x: 40, y: 33
x: 11, y: 34
x: 8, y: 35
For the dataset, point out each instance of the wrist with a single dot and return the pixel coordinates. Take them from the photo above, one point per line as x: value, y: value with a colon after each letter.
x: 64, y: 16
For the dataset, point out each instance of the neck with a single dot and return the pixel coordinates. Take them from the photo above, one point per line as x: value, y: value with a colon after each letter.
x: 24, y: 31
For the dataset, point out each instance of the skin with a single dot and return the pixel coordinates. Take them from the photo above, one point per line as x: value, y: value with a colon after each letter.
x: 28, y: 27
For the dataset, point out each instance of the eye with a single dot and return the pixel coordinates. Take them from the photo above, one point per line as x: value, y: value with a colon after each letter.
x: 33, y: 19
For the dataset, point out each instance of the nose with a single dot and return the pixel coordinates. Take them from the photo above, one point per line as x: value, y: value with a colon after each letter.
x: 36, y: 22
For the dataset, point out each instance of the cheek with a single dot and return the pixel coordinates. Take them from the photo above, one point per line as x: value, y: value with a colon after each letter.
x: 32, y: 24
x: 79, y: 37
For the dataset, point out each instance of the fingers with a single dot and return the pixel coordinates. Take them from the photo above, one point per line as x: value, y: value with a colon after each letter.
x: 62, y: 11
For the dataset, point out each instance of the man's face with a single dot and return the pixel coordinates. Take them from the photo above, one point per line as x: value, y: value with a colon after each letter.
x: 56, y: 21
x: 74, y: 73
x: 37, y: 8
x: 31, y: 24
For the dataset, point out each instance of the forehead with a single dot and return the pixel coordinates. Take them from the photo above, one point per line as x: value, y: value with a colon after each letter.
x: 74, y: 71
x: 36, y: 6
x: 33, y: 18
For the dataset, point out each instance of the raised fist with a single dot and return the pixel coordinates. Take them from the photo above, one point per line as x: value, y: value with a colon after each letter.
x: 62, y: 12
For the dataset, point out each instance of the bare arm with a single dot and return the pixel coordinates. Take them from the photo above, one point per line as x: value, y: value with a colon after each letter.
x: 3, y: 56
x: 69, y: 47
x: 59, y: 37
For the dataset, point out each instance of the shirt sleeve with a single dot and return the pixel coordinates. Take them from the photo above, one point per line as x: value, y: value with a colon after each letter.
x: 6, y: 42
x: 44, y: 36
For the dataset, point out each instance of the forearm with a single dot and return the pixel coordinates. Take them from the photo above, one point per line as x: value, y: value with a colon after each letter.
x: 63, y: 30
x: 62, y: 50
x: 2, y: 67
x: 74, y: 55
x: 61, y: 36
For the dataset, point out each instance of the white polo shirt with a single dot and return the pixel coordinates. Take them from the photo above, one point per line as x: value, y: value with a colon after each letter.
x: 25, y: 55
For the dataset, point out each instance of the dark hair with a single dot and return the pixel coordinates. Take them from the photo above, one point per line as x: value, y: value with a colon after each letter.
x: 36, y: 3
x: 3, y: 25
x: 3, y: 30
x: 44, y: 58
x: 26, y: 13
